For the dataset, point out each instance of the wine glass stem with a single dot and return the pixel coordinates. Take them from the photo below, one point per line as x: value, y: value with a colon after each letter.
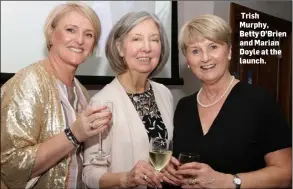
x: 156, y: 173
x: 101, y: 143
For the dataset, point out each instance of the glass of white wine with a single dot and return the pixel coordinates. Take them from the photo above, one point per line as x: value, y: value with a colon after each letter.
x: 160, y: 152
x: 102, y: 154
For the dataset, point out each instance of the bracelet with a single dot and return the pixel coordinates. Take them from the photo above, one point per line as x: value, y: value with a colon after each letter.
x: 71, y: 137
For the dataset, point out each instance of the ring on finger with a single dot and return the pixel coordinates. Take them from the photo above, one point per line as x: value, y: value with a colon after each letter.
x: 91, y: 126
x: 193, y: 181
x: 145, y: 177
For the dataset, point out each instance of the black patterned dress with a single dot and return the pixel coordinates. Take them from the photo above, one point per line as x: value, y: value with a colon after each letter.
x: 149, y: 113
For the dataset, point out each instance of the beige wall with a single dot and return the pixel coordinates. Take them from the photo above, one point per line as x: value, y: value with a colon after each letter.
x: 190, y: 9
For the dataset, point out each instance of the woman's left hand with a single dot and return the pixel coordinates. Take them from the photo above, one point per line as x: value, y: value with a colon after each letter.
x: 200, y: 175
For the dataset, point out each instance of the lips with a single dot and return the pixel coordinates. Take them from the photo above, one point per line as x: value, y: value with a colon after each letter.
x: 208, y: 66
x: 79, y: 50
x: 144, y: 60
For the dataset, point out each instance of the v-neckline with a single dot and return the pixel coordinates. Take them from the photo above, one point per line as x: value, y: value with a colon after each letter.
x: 217, y: 116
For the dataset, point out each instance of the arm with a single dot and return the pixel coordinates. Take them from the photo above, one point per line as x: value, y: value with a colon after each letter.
x: 49, y: 153
x: 277, y: 173
x: 21, y: 112
x: 22, y: 115
x: 275, y: 144
x: 97, y: 176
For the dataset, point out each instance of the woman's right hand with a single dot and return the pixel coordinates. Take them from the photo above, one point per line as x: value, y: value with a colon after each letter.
x: 170, y: 172
x: 90, y: 122
x: 143, y: 173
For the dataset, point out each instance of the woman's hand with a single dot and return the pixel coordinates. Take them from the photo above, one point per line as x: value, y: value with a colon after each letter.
x: 142, y: 173
x: 200, y: 175
x: 90, y: 122
x: 170, y: 170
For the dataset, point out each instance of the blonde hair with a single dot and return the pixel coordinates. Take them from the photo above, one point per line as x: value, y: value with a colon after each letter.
x: 120, y: 30
x: 207, y: 26
x: 61, y: 10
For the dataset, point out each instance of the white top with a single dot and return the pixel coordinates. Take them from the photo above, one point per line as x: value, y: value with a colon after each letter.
x: 130, y: 141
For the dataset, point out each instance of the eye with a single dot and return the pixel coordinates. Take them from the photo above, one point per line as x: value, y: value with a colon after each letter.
x: 195, y: 51
x: 70, y: 30
x: 155, y: 40
x: 89, y: 35
x: 213, y: 47
x: 135, y: 39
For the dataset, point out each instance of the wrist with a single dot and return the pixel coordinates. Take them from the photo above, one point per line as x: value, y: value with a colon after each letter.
x: 228, y: 182
x: 237, y: 181
x: 71, y: 137
x: 123, y: 179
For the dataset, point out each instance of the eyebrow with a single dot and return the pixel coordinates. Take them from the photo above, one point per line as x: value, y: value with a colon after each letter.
x: 193, y: 46
x: 155, y: 34
x: 86, y: 30
x: 208, y: 44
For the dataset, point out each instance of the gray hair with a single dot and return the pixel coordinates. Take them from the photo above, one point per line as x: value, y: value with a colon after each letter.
x: 118, y: 33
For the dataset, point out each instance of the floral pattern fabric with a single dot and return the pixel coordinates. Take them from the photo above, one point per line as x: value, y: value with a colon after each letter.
x: 149, y: 113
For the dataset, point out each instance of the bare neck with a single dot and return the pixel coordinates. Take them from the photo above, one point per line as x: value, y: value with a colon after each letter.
x: 63, y: 71
x: 133, y: 83
x: 215, y: 89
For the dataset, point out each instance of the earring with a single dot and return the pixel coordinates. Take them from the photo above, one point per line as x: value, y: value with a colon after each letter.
x: 188, y: 66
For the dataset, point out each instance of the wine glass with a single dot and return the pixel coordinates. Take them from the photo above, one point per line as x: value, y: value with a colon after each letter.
x: 187, y: 157
x: 160, y: 152
x: 102, y: 154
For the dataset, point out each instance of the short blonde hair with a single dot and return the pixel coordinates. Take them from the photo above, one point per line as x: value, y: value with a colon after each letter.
x: 61, y: 10
x: 118, y: 33
x: 206, y: 26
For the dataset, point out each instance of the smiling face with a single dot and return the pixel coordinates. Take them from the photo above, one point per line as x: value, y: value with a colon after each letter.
x: 72, y: 39
x: 141, y: 47
x: 208, y: 60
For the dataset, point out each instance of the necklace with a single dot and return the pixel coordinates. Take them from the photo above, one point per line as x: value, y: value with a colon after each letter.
x: 209, y: 105
x: 147, y: 87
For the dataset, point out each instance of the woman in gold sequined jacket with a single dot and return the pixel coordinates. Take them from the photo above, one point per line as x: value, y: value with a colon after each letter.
x: 44, y: 112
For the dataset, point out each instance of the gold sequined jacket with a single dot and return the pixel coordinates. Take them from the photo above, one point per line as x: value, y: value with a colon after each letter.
x: 31, y: 113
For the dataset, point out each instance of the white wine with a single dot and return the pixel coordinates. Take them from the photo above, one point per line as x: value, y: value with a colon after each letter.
x: 160, y: 158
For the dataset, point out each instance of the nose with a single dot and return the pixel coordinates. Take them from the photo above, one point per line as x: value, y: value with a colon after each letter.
x: 146, y: 46
x: 80, y: 38
x: 205, y: 57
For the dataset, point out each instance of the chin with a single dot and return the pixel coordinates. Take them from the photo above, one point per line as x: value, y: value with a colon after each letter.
x: 76, y: 61
x: 145, y: 71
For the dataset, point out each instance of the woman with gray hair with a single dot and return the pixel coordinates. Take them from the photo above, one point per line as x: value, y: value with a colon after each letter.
x: 237, y: 129
x: 137, y: 49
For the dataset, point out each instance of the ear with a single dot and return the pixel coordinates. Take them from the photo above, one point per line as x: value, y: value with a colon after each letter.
x: 51, y: 37
x: 230, y: 53
x: 119, y: 48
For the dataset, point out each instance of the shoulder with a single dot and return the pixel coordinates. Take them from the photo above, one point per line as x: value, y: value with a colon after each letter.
x: 32, y: 77
x: 30, y: 85
x: 253, y: 93
x: 108, y: 92
x: 187, y: 99
x: 158, y: 87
